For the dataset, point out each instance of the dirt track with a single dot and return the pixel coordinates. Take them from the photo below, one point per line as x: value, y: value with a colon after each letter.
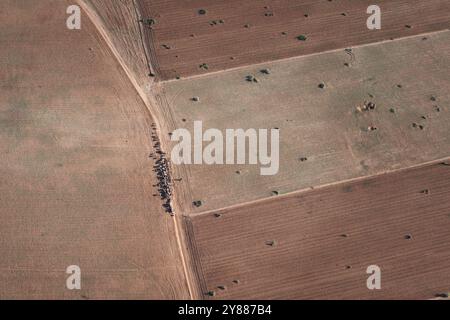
x: 76, y: 180
x: 235, y: 33
x: 318, y: 244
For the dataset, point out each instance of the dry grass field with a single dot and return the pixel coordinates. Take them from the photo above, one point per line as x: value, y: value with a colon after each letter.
x: 76, y: 180
x: 317, y: 244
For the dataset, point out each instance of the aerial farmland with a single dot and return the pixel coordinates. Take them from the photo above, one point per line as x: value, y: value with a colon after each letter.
x: 224, y: 149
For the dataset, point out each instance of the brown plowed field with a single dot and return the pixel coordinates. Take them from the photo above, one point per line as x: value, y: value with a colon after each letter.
x: 76, y: 180
x: 318, y: 244
x: 184, y: 42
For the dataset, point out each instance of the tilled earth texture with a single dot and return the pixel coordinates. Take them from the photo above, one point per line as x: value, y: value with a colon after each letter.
x: 87, y: 176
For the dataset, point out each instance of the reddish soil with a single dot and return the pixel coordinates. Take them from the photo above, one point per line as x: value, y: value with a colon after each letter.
x: 318, y: 244
x: 183, y: 42
x: 76, y: 179
x: 79, y: 109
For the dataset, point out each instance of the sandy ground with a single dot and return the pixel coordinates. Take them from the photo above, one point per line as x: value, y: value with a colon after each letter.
x: 318, y: 244
x: 118, y: 23
x: 324, y: 138
x: 236, y: 33
x: 76, y: 180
